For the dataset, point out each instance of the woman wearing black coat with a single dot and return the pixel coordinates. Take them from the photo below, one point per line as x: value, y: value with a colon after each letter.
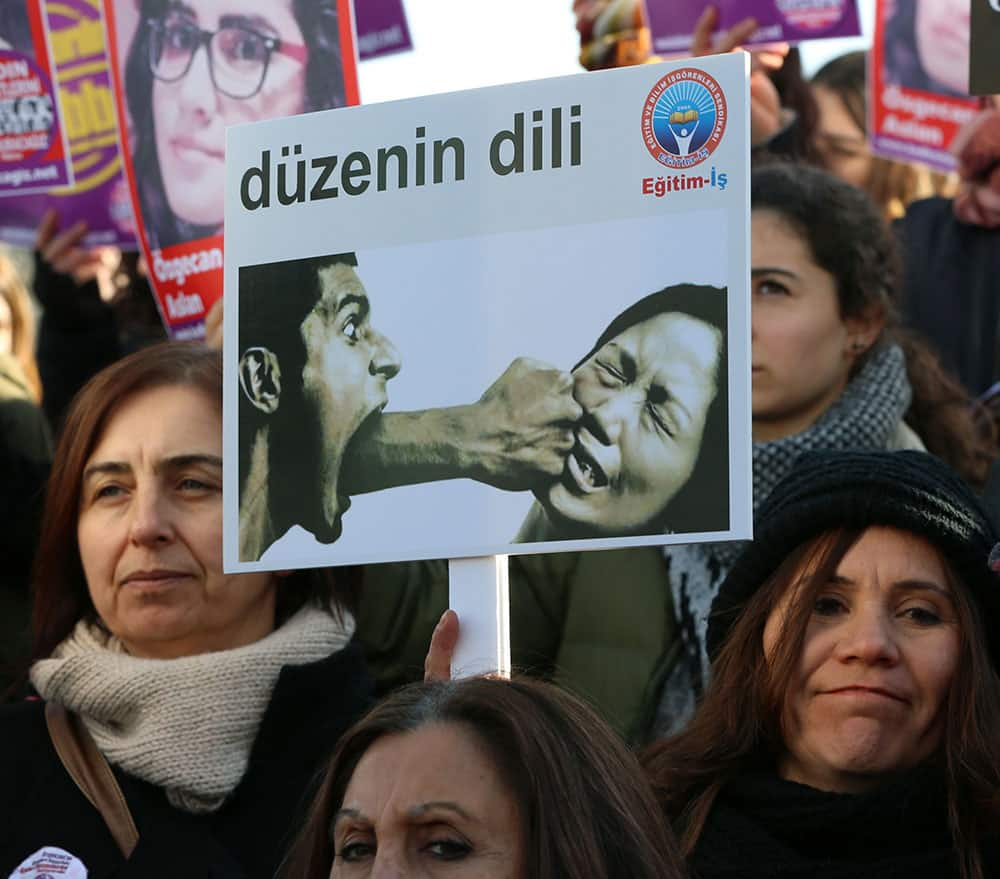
x: 209, y: 699
x: 851, y: 727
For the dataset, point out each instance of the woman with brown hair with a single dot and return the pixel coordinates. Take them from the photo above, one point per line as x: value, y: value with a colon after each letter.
x: 851, y: 727
x: 484, y: 778
x: 199, y: 703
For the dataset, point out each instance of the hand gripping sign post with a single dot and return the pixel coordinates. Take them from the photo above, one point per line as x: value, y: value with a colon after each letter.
x: 510, y: 320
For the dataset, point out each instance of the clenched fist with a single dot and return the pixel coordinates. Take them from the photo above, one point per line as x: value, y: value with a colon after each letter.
x: 522, y: 427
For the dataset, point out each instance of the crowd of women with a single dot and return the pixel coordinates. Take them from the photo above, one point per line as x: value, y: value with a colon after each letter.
x: 823, y: 701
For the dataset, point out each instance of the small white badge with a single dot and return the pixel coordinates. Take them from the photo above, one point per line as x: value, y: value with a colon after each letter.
x: 50, y: 863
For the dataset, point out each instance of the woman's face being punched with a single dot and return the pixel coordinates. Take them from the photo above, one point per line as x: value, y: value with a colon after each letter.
x: 428, y: 803
x: 150, y: 531
x: 645, y: 397
x: 191, y: 113
x: 880, y: 652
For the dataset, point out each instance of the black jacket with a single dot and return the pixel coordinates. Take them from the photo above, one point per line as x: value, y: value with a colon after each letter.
x: 80, y: 334
x: 25, y: 459
x: 312, y: 705
x: 951, y: 289
x: 762, y: 827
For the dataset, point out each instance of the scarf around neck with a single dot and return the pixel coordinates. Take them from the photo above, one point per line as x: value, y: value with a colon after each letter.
x: 186, y: 725
x: 761, y: 825
x: 865, y: 416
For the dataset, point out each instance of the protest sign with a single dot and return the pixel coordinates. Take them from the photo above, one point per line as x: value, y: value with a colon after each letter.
x: 439, y: 310
x: 794, y: 21
x: 382, y: 28
x: 984, y: 55
x: 99, y: 194
x: 183, y: 73
x: 918, y: 80
x: 34, y: 154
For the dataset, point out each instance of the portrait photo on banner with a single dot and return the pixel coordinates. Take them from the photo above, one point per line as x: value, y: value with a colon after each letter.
x: 380, y: 388
x: 184, y: 73
x: 192, y: 69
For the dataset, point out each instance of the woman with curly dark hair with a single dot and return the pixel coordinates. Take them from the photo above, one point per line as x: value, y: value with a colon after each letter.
x: 831, y: 370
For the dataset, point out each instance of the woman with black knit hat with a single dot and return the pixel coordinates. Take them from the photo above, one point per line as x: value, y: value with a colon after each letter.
x: 852, y: 724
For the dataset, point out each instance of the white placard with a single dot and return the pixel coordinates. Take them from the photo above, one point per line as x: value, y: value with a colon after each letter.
x: 573, y: 249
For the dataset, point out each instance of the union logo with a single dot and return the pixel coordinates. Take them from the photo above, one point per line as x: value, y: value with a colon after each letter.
x: 684, y: 118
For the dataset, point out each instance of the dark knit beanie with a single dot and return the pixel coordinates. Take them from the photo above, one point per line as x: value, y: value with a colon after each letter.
x: 912, y: 491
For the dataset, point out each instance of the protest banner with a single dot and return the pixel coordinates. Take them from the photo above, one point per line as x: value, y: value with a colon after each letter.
x: 506, y: 320
x: 99, y: 194
x: 182, y: 74
x: 984, y: 50
x: 382, y: 28
x: 34, y: 154
x: 793, y: 21
x: 918, y: 80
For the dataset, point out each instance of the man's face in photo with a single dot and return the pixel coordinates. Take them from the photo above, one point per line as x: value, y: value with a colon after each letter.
x: 348, y: 363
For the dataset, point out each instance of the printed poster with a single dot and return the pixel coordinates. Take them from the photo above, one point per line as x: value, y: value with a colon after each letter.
x: 918, y: 80
x: 512, y: 319
x: 33, y: 150
x: 984, y: 57
x: 672, y: 22
x: 183, y: 74
x: 382, y: 28
x: 99, y: 194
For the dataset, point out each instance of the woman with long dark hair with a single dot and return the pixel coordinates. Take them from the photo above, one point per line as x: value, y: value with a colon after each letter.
x: 851, y: 726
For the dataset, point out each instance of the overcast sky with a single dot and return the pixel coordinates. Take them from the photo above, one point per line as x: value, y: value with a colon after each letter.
x: 463, y: 44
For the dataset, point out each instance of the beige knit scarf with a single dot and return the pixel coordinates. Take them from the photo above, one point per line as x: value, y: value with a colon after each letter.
x: 186, y: 725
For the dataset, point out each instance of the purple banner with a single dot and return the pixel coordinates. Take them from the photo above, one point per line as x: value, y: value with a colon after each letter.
x: 794, y: 21
x: 31, y: 149
x: 381, y: 26
x: 81, y: 66
x: 33, y: 153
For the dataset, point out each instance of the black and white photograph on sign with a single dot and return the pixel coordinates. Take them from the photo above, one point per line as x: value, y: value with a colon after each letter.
x: 486, y: 394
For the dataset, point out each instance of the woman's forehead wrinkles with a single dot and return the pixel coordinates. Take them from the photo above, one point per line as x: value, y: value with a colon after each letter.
x: 680, y: 356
